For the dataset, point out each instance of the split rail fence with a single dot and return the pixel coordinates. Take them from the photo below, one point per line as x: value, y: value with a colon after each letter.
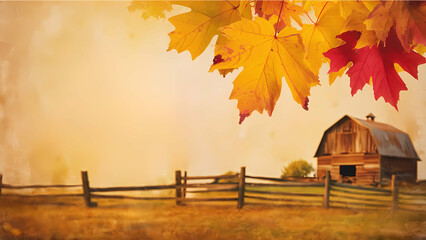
x: 246, y: 189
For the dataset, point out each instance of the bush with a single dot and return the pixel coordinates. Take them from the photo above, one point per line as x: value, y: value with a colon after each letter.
x: 297, y: 168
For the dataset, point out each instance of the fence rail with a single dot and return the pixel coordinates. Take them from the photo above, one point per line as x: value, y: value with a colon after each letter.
x: 8, y: 186
x: 360, y: 204
x: 211, y: 177
x: 413, y: 194
x: 361, y: 188
x: 285, y: 193
x: 210, y: 199
x: 44, y: 195
x: 130, y: 197
x: 284, y: 185
x: 280, y: 199
x: 359, y: 198
x: 364, y: 193
x: 234, y: 188
x: 286, y: 179
x: 140, y: 188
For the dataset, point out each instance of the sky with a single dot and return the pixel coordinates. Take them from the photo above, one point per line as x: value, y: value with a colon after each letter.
x: 90, y: 86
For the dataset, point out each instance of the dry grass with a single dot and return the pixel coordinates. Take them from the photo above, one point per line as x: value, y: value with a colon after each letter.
x: 35, y: 218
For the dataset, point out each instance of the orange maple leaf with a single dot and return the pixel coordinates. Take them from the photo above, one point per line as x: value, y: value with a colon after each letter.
x: 267, y: 57
x: 408, y: 17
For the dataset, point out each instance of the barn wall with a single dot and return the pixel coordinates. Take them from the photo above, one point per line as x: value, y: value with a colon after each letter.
x: 323, y: 164
x: 347, y: 136
x: 404, y: 168
x: 367, y: 167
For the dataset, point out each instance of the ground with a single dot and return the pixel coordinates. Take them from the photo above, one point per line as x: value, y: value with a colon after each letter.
x: 68, y: 218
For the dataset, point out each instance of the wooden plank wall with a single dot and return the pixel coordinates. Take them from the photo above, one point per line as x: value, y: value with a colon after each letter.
x: 347, y: 137
x: 405, y: 169
x: 367, y: 167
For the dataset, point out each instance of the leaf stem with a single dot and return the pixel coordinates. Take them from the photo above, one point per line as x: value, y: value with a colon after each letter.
x: 279, y: 17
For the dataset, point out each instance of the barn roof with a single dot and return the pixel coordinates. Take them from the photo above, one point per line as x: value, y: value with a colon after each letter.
x: 389, y: 140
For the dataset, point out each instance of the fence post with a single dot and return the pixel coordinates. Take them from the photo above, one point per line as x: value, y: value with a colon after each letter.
x: 1, y: 182
x: 326, y: 203
x: 86, y: 190
x: 184, y: 183
x: 178, y: 176
x: 395, y: 191
x: 241, y: 187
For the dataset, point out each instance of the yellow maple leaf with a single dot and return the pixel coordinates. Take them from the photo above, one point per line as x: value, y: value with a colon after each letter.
x: 332, y: 76
x: 347, y: 7
x: 243, y: 6
x: 222, y: 44
x: 355, y: 22
x: 320, y: 36
x: 195, y: 29
x: 267, y: 57
x: 316, y: 5
x: 370, y: 4
x: 285, y: 10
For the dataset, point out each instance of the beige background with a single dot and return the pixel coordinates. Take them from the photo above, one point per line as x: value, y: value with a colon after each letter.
x: 91, y: 86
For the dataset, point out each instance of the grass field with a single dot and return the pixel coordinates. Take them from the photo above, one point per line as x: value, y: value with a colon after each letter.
x: 67, y: 218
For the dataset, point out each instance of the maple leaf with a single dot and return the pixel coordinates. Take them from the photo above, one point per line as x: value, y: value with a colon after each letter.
x: 222, y: 44
x: 195, y: 29
x: 321, y: 35
x: 347, y: 7
x: 417, y: 10
x: 407, y: 17
x: 267, y: 57
x: 317, y: 6
x: 155, y: 9
x: 371, y: 4
x: 355, y: 22
x: 376, y: 63
x: 286, y: 10
x: 421, y: 49
x: 332, y: 76
x: 341, y: 55
x: 243, y: 6
x: 380, y: 21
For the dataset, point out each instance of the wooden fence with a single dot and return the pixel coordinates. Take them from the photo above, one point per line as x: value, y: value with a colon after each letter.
x: 246, y: 189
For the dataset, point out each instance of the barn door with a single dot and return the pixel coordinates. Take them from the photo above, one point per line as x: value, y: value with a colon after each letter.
x: 348, y: 173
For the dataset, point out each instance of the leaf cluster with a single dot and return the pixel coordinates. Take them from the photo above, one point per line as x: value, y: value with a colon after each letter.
x: 369, y: 40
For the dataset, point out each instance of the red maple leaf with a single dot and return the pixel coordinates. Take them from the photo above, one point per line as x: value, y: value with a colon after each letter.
x: 342, y: 55
x: 376, y: 63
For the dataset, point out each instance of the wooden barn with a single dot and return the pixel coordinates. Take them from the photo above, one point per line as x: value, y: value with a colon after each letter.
x: 366, y: 152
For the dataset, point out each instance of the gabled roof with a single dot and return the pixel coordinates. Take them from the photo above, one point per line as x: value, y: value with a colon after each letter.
x: 390, y: 141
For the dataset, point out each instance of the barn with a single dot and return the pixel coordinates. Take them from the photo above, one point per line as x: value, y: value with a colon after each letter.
x: 366, y: 152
